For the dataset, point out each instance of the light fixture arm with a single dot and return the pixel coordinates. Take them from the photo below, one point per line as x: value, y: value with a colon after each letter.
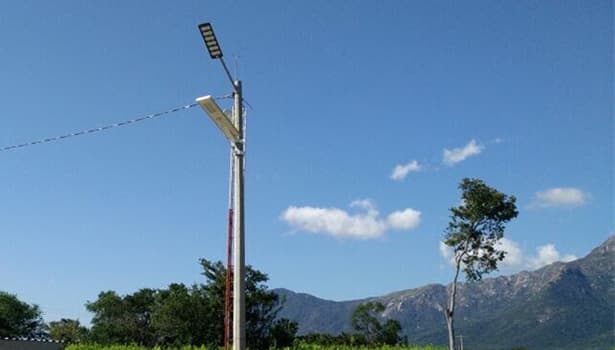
x: 228, y: 74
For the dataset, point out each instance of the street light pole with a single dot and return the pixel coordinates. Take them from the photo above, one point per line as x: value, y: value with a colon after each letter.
x: 233, y: 130
x: 239, y: 271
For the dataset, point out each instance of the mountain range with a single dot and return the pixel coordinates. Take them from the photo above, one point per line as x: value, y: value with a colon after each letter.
x: 560, y: 306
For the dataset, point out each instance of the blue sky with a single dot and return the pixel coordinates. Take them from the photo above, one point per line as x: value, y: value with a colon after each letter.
x: 366, y: 117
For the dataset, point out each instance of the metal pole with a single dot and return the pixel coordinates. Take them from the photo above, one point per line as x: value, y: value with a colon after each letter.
x: 239, y: 271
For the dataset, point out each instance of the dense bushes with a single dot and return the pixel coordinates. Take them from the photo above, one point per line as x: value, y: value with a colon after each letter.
x: 188, y: 315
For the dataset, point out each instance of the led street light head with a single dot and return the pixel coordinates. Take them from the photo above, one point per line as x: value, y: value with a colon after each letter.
x: 212, y: 109
x: 207, y: 32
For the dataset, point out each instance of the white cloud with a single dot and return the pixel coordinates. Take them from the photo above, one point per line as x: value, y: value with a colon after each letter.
x: 446, y: 252
x: 560, y: 197
x: 366, y: 205
x: 406, y: 219
x: 547, y: 254
x: 515, y: 258
x: 338, y: 223
x: 453, y: 156
x: 402, y: 170
x: 514, y: 255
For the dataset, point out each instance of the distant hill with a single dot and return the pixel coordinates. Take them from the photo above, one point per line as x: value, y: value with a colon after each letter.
x: 560, y: 306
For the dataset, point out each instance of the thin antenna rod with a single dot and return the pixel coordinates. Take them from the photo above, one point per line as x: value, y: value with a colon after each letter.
x: 236, y: 59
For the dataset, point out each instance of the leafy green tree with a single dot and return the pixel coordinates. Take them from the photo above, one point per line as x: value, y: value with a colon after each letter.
x: 262, y: 305
x: 262, y: 308
x: 67, y: 330
x: 19, y: 319
x: 389, y: 334
x: 125, y: 319
x: 322, y: 339
x: 365, y: 321
x: 140, y: 306
x: 180, y: 317
x: 111, y: 323
x: 283, y: 333
x: 475, y: 228
x: 213, y: 291
x: 370, y: 331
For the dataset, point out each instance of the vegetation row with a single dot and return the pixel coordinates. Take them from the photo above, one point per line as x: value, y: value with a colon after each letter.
x: 297, y: 346
x: 183, y: 315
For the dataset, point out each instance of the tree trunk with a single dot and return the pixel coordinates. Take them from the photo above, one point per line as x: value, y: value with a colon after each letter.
x: 450, y: 310
x: 451, y: 332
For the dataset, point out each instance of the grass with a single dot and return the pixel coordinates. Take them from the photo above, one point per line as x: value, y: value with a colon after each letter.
x: 301, y: 346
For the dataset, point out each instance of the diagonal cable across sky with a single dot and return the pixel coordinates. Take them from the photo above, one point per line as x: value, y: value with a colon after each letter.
x: 102, y: 128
